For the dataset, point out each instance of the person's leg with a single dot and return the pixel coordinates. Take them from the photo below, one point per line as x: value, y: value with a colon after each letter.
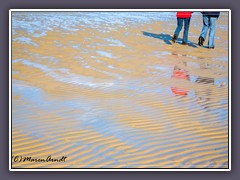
x: 186, y: 28
x: 204, y: 31
x: 179, y: 26
x: 205, y: 26
x: 212, y: 32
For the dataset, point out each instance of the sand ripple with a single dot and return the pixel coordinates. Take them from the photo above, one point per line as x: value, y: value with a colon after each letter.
x: 121, y: 98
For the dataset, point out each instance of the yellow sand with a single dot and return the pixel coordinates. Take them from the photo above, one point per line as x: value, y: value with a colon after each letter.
x: 164, y: 133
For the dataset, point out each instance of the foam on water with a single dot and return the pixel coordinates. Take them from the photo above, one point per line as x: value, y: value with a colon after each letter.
x: 65, y: 76
x: 114, y: 42
x: 106, y: 54
x: 35, y: 22
x: 25, y: 40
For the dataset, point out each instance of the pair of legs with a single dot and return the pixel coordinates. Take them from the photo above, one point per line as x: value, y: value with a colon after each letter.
x: 208, y: 23
x: 179, y: 28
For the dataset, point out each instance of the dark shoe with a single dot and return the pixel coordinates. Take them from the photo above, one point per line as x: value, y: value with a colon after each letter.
x: 184, y: 43
x: 174, y: 38
x: 211, y: 47
x: 200, y: 41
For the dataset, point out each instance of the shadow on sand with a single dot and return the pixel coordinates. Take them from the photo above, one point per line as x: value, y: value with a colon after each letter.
x: 167, y: 38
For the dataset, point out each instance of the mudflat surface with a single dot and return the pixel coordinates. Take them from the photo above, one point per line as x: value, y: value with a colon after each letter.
x: 110, y: 90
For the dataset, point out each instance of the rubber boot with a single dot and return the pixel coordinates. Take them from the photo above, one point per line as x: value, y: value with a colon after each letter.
x: 174, y: 38
x: 200, y: 41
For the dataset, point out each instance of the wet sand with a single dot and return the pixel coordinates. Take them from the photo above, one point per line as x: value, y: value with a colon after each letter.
x: 120, y: 97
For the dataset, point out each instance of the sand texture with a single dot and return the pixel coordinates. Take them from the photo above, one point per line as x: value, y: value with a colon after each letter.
x: 109, y: 90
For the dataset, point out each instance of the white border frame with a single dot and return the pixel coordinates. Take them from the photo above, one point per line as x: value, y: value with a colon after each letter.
x: 117, y: 10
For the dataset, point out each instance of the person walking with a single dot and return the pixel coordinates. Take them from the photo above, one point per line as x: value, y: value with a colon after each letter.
x: 209, y: 22
x: 182, y: 17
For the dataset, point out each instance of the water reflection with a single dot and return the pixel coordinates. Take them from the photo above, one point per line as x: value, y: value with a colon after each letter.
x: 205, y: 80
x: 205, y: 93
x: 187, y: 56
x: 180, y: 73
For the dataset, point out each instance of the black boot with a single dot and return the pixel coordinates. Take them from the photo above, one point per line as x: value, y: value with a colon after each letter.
x: 200, y: 41
x: 211, y: 47
x: 174, y: 38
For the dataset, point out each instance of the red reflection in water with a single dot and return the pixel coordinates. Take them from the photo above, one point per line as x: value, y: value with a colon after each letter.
x: 179, y: 73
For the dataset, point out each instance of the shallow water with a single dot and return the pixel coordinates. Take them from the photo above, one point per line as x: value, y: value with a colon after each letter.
x: 107, y: 90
